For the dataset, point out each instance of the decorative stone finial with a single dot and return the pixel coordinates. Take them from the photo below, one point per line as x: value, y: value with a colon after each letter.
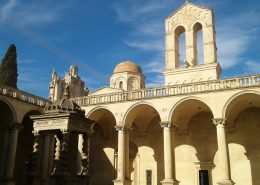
x: 66, y: 92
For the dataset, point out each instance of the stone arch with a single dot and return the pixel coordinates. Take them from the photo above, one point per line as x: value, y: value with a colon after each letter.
x: 133, y: 83
x: 147, y: 134
x: 180, y: 103
x: 196, y: 27
x: 24, y: 146
x: 103, y: 146
x: 238, y: 103
x: 196, y: 134
x: 120, y: 79
x: 178, y: 30
x: 104, y: 117
x: 244, y: 142
x: 132, y: 111
x: 203, y: 24
x: 7, y: 109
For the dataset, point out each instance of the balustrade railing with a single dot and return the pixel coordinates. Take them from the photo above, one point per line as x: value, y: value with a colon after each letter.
x: 23, y: 96
x: 196, y: 87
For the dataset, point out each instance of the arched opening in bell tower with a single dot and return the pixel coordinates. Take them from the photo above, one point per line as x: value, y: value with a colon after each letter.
x: 180, y: 45
x: 198, y: 43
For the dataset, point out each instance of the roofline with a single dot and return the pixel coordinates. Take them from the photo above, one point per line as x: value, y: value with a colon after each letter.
x: 172, y: 14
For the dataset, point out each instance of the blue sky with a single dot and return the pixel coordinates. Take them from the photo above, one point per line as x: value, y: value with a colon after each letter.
x: 95, y: 35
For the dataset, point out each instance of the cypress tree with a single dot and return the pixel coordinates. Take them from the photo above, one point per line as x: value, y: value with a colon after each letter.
x: 8, y: 68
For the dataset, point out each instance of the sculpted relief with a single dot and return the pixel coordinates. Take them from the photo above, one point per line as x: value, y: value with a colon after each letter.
x: 187, y: 15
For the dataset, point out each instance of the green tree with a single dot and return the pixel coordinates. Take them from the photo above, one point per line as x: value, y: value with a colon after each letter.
x: 8, y: 68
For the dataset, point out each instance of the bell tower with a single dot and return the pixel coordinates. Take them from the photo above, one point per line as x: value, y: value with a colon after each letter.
x: 189, y: 19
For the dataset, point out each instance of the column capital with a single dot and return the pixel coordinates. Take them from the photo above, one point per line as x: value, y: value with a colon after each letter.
x: 122, y: 128
x: 219, y: 121
x: 35, y: 133
x: 168, y: 124
x: 14, y: 127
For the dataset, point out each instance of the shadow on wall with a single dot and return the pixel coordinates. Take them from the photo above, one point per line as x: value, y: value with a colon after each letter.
x: 146, y: 153
x: 102, y: 151
x: 24, y: 148
x: 246, y: 134
x: 201, y: 137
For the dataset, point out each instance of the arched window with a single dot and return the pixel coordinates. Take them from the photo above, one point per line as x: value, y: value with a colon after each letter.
x: 121, y: 85
x: 198, y: 43
x: 180, y: 40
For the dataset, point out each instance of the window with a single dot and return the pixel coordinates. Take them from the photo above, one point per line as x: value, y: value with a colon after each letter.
x: 148, y: 177
x: 203, y: 177
x: 121, y: 85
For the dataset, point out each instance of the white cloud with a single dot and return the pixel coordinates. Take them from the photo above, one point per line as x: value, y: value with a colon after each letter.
x: 138, y: 10
x: 25, y: 13
x: 153, y: 45
x: 235, y: 35
x: 6, y: 9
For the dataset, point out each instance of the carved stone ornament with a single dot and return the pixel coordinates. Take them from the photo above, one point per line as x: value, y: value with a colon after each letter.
x: 122, y: 128
x: 168, y: 125
x: 219, y: 121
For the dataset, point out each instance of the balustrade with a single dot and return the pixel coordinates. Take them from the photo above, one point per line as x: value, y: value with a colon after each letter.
x: 23, y: 96
x: 214, y: 85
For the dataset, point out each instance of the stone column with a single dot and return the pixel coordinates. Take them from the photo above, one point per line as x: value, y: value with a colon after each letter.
x: 61, y: 174
x: 45, y: 159
x: 225, y: 175
x: 121, y: 170
x: 127, y: 168
x: 5, y: 132
x: 32, y: 174
x: 11, y: 153
x: 83, y: 149
x: 169, y: 163
x: 61, y: 154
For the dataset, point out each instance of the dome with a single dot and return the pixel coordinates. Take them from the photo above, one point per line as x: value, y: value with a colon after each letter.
x: 127, y: 66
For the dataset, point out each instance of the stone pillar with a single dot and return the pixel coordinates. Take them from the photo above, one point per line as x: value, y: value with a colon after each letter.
x: 121, y: 170
x: 127, y: 168
x: 11, y: 153
x: 61, y: 175
x: 45, y: 159
x: 82, y: 146
x: 169, y: 163
x: 225, y: 175
x: 191, y: 48
x: 56, y: 164
x: 3, y: 155
x: 32, y: 174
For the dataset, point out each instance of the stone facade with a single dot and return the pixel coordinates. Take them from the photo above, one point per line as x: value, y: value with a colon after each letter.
x: 196, y: 130
x: 72, y: 80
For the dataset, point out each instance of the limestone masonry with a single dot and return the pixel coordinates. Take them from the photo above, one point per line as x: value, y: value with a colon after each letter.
x: 198, y: 129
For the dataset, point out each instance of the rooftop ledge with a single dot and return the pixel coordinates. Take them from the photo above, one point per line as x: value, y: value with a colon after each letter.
x: 23, y: 96
x: 187, y: 88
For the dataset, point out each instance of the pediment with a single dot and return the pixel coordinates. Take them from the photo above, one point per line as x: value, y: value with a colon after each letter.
x: 186, y: 15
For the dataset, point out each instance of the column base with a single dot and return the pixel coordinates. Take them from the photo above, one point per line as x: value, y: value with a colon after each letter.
x: 170, y: 182
x: 225, y: 182
x: 122, y: 182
